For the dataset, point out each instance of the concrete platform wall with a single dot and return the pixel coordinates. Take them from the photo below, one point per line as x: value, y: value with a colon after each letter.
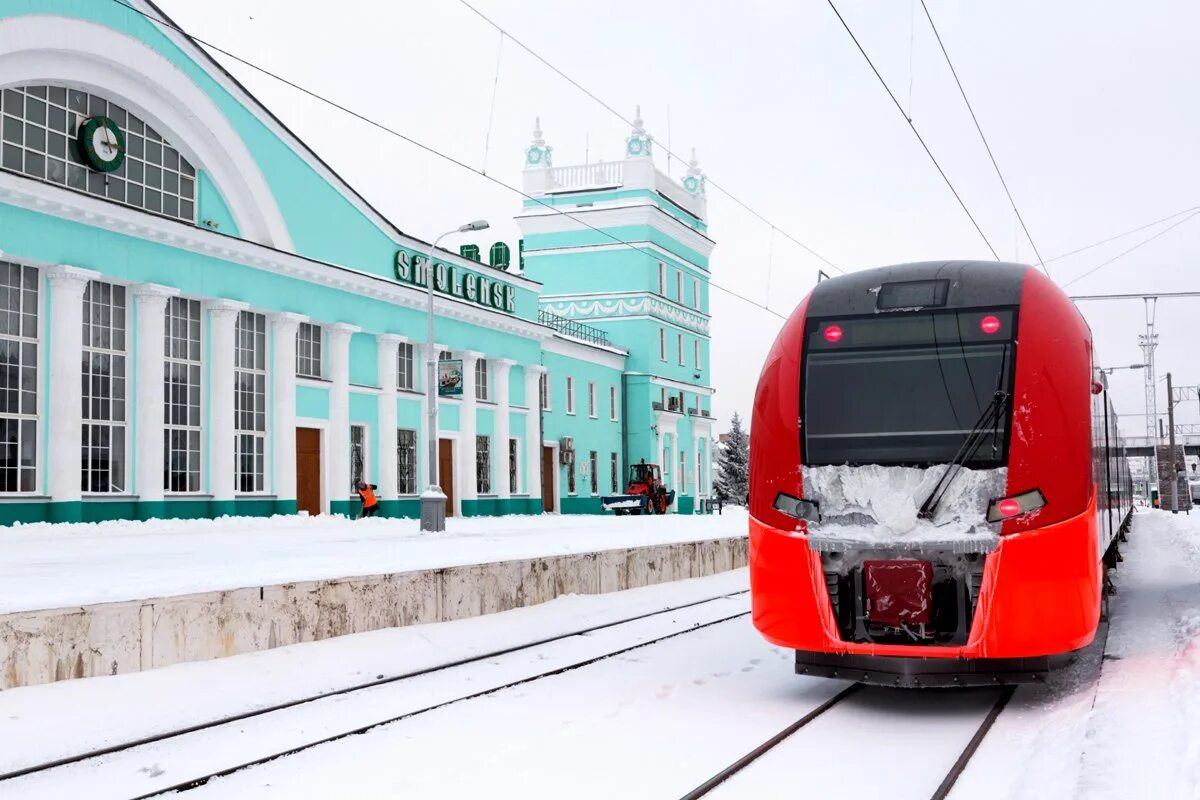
x: 114, y: 638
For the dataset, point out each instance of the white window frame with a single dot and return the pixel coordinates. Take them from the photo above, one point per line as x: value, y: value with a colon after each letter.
x: 401, y: 489
x: 309, y: 350
x: 612, y: 402
x: 593, y: 468
x: 662, y: 344
x: 183, y: 311
x: 696, y: 293
x: 366, y: 455
x: 701, y: 487
x: 406, y: 367
x: 153, y: 176
x: 481, y: 379
x: 514, y: 465
x: 483, y: 466
x: 544, y: 390
x: 662, y: 278
x: 570, y: 395
x: 682, y: 471
x: 696, y: 351
x: 256, y: 433
x: 27, y: 424
x: 682, y: 361
x: 679, y: 286
x: 592, y: 399
x: 117, y: 421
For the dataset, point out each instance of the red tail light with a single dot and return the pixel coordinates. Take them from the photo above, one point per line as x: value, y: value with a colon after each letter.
x: 832, y: 333
x: 989, y: 324
x: 1015, y: 506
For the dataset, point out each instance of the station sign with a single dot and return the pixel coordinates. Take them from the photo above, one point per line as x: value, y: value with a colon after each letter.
x: 454, y: 281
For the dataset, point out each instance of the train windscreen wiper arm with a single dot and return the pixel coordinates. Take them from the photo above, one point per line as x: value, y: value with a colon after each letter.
x: 990, y: 418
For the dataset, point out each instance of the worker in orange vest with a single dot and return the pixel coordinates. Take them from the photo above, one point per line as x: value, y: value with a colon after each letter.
x: 370, y: 502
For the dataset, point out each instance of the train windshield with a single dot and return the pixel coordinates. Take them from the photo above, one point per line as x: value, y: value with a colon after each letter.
x: 906, y: 388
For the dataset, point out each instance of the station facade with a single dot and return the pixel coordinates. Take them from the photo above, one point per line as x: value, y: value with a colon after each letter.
x: 198, y: 317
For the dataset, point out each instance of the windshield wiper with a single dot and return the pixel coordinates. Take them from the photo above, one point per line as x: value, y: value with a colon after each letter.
x: 990, y: 418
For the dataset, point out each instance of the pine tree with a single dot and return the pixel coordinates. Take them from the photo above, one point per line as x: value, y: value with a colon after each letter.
x: 733, y: 464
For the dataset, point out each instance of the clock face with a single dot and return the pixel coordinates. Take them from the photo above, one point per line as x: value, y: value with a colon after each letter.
x: 102, y: 143
x: 635, y: 147
x: 689, y: 183
x: 533, y: 155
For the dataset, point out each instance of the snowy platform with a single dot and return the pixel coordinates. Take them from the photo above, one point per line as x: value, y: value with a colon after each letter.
x: 121, y: 597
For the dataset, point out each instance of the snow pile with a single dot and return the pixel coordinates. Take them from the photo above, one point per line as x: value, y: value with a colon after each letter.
x: 876, y: 505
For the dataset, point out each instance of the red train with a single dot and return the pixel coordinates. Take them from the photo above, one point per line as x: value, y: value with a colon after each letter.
x: 937, y: 481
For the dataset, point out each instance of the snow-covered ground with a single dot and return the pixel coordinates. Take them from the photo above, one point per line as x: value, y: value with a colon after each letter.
x: 1133, y: 731
x: 54, y: 566
x: 656, y: 721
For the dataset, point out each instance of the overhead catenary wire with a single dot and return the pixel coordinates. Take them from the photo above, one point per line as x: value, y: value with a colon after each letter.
x: 1129, y: 232
x: 1145, y: 241
x: 913, y: 127
x: 422, y: 146
x: 983, y: 138
x: 670, y: 154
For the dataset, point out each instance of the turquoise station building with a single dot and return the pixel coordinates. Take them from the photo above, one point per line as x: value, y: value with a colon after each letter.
x: 199, y: 317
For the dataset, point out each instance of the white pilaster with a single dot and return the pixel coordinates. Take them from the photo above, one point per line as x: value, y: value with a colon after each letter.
x: 389, y: 355
x: 420, y: 354
x: 533, y: 429
x: 65, y: 401
x: 150, y: 300
x: 467, y: 428
x: 339, y: 409
x: 283, y: 381
x: 500, y: 376
x: 222, y: 319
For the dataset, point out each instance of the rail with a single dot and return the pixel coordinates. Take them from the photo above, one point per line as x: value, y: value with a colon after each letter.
x: 583, y: 176
x: 572, y: 328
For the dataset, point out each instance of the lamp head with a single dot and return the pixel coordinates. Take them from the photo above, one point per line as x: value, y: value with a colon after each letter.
x: 477, y: 225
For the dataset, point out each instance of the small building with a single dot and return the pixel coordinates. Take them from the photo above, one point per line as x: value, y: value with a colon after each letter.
x: 199, y: 317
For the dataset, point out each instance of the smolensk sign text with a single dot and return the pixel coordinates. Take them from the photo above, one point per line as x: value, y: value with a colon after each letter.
x: 456, y: 282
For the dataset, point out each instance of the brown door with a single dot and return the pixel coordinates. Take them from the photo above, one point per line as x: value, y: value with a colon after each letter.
x: 548, y: 472
x: 308, y: 470
x: 446, y: 472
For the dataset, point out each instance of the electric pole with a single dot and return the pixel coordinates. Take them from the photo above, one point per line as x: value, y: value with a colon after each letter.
x: 1174, y: 477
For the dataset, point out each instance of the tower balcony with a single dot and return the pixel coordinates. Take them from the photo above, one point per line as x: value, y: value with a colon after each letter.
x: 608, y: 176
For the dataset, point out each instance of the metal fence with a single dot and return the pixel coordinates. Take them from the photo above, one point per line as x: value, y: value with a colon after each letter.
x: 569, y: 327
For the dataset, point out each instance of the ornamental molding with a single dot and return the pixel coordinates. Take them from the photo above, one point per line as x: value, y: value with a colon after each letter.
x: 534, y: 221
x: 618, y: 307
x: 63, y: 203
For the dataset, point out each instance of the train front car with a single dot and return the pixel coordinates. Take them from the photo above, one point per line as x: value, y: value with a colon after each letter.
x: 923, y: 502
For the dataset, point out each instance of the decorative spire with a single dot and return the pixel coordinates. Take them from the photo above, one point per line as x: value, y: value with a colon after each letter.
x: 694, y: 181
x: 538, y: 155
x: 637, y: 145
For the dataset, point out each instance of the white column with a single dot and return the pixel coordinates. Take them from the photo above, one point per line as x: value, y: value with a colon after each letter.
x: 283, y: 381
x: 533, y: 429
x: 389, y: 355
x: 148, y: 407
x: 338, y: 457
x: 222, y: 319
x: 419, y: 356
x: 65, y: 401
x: 500, y: 375
x: 467, y: 428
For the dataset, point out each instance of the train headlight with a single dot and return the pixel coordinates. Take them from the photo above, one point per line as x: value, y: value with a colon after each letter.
x: 797, y: 508
x: 1015, y: 506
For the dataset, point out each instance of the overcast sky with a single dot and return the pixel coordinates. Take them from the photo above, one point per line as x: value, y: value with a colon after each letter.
x: 1090, y: 108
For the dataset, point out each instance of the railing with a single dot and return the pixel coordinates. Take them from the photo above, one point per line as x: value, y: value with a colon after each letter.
x: 569, y: 327
x: 583, y: 176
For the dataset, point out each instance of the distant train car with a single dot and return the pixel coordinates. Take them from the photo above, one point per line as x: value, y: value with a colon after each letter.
x: 937, y: 478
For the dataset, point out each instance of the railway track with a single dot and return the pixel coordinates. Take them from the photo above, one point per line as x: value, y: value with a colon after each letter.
x: 792, y: 736
x: 86, y: 766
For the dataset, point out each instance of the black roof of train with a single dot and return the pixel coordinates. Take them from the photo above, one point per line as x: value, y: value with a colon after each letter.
x: 972, y: 284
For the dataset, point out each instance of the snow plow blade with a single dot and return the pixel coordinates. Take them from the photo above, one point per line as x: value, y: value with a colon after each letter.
x: 623, y: 501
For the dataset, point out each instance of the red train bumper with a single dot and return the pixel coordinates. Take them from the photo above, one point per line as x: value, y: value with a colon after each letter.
x: 1040, y: 596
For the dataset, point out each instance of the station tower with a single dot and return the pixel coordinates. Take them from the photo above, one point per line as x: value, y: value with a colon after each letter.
x: 630, y: 258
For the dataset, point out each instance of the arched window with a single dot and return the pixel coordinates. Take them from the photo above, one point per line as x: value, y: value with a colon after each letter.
x: 39, y: 130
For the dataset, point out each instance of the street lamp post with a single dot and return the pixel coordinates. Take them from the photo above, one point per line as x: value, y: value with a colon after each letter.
x: 433, y: 501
